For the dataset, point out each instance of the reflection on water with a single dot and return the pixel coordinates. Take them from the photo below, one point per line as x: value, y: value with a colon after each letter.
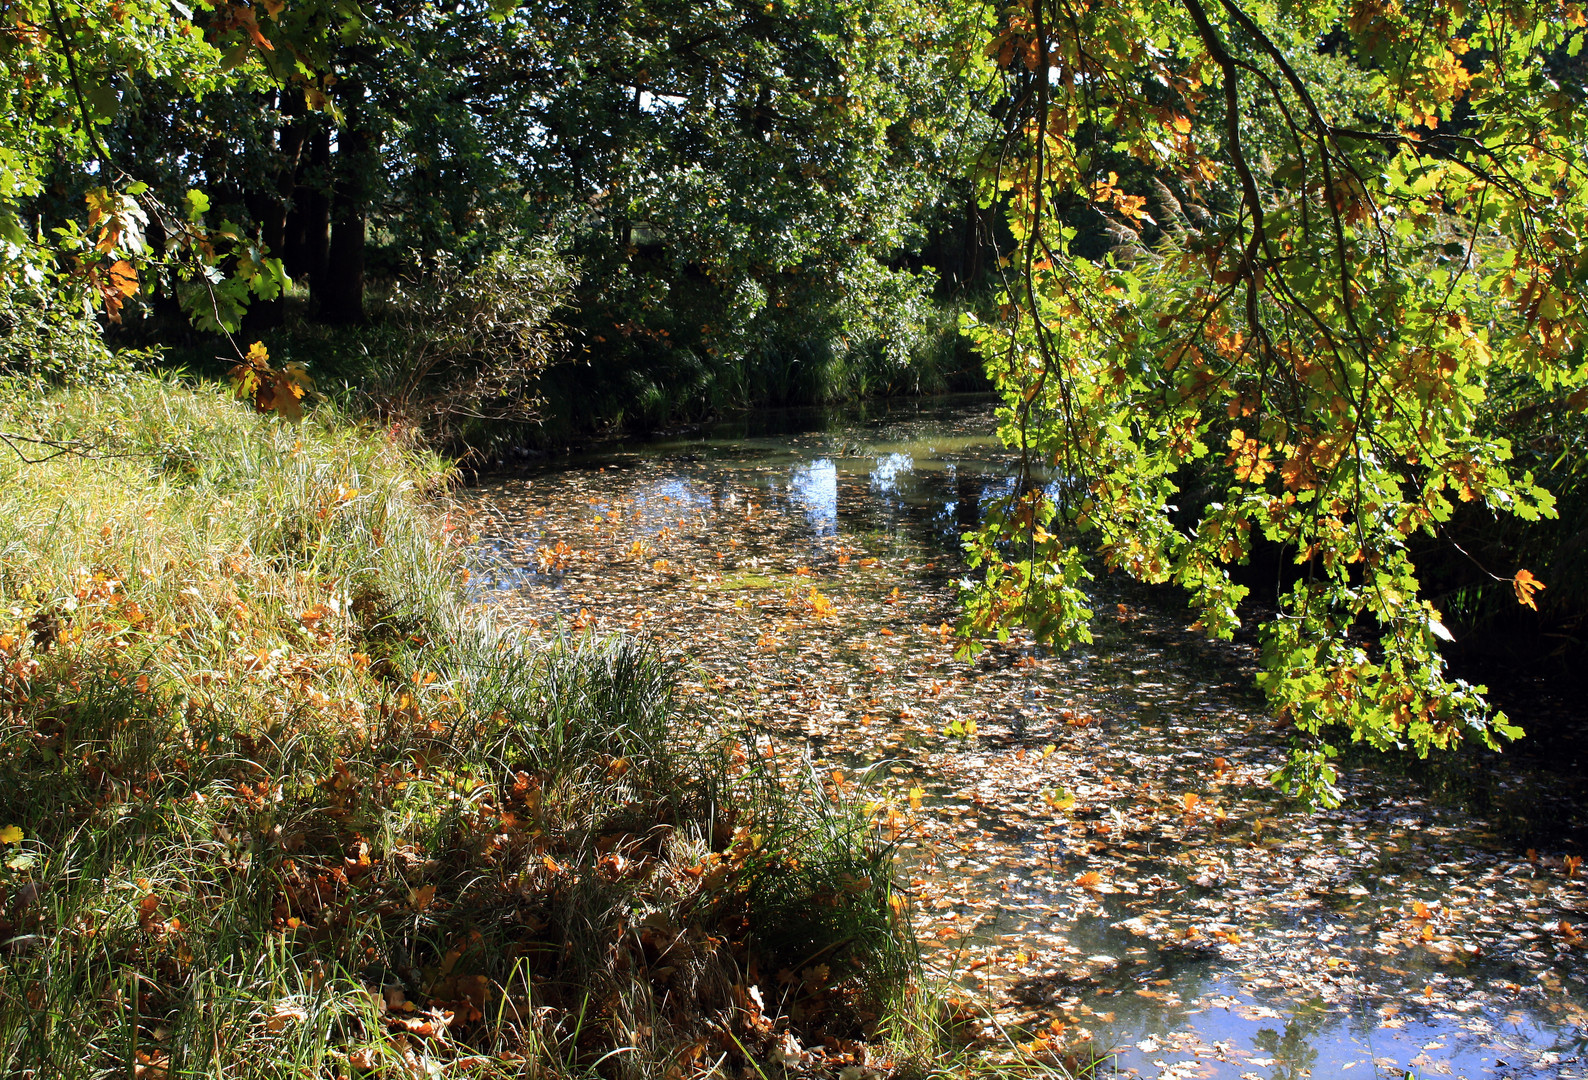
x: 814, y: 489
x: 1105, y: 854
x: 885, y: 477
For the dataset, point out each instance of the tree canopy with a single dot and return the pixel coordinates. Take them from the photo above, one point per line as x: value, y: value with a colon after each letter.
x: 1333, y: 235
x: 1280, y: 280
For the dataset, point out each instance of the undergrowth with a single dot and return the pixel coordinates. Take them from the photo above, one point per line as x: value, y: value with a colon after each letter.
x: 276, y: 802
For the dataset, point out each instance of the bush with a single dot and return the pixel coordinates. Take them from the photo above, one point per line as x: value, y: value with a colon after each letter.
x: 454, y: 351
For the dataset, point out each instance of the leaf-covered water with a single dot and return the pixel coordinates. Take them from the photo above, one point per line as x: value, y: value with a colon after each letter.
x: 1091, y: 838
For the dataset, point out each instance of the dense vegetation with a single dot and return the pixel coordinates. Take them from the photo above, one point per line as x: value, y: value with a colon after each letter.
x: 1276, y: 295
x: 726, y: 204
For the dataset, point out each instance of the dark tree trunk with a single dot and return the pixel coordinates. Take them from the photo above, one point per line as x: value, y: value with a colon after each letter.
x: 970, y: 249
x: 271, y: 214
x: 309, y: 218
x: 270, y: 208
x: 341, y: 295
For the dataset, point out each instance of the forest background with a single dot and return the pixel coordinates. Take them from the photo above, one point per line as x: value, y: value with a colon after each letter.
x: 1284, y: 306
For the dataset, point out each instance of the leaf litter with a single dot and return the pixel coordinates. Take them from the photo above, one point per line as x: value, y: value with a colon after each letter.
x: 1095, y: 855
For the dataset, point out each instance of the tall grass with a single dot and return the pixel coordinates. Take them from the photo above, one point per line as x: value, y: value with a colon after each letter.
x: 288, y: 807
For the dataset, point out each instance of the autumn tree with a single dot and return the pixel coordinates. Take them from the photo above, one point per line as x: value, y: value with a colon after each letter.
x: 1333, y: 230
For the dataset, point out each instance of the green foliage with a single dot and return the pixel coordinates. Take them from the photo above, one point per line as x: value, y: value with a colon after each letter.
x: 456, y: 352
x: 1319, y: 258
x: 762, y: 171
x: 42, y: 339
x: 70, y: 242
x: 744, y: 189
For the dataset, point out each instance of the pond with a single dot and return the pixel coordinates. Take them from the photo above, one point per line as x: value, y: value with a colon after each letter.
x: 1090, y: 836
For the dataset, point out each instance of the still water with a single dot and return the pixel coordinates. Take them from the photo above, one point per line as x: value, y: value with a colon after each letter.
x: 1090, y: 838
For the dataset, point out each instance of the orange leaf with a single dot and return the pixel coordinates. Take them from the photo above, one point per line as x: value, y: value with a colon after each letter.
x: 1526, y: 585
x: 123, y: 278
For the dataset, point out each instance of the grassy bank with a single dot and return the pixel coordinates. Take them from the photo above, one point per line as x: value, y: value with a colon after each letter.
x: 277, y: 802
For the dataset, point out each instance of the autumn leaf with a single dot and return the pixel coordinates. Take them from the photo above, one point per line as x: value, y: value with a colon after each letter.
x: 118, y: 282
x: 426, y: 1027
x: 11, y: 834
x: 1526, y: 585
x: 1249, y: 457
x: 123, y: 278
x: 283, y: 1015
x: 148, y: 904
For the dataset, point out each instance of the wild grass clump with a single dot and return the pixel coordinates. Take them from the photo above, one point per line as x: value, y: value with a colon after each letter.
x: 275, y: 802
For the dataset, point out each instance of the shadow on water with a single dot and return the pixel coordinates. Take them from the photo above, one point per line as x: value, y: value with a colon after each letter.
x: 1097, y: 845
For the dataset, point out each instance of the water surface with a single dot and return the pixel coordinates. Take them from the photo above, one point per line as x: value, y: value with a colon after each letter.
x: 1103, y: 855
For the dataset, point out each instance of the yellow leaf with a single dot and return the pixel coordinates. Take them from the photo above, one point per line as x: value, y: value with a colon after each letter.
x: 11, y: 834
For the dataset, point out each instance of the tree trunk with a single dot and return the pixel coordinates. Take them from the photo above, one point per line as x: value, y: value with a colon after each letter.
x: 309, y: 218
x: 270, y: 208
x: 341, y: 295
